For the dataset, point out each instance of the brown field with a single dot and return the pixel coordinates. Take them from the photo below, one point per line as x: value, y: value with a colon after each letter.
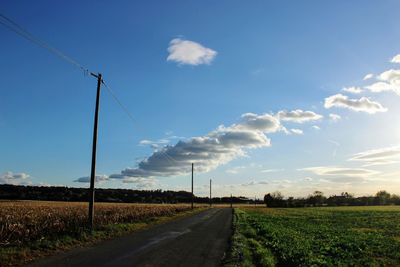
x: 22, y: 222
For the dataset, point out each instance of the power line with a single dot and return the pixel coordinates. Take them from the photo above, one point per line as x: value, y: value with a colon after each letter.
x: 132, y: 118
x: 122, y: 106
x: 15, y: 27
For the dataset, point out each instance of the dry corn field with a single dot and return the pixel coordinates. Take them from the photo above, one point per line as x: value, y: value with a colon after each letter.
x: 25, y: 221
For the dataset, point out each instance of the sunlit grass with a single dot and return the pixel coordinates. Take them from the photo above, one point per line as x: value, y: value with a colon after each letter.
x: 326, y: 236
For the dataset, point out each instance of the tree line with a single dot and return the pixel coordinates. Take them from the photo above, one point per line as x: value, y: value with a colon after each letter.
x: 61, y: 193
x: 317, y: 198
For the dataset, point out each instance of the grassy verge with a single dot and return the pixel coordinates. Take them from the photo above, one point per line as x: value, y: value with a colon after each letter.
x: 25, y: 253
x: 246, y: 250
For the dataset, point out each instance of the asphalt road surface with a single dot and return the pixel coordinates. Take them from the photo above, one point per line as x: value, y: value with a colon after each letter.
x: 199, y: 240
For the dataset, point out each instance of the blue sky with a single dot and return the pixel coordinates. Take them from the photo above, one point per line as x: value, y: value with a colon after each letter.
x: 184, y: 69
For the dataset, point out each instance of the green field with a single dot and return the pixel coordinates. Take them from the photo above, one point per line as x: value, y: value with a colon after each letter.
x: 337, y: 236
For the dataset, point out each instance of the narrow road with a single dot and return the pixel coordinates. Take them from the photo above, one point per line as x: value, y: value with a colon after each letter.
x: 198, y: 240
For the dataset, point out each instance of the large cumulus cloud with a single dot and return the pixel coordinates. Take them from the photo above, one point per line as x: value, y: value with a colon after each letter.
x: 209, y: 151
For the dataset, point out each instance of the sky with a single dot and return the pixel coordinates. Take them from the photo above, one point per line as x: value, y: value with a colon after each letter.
x: 261, y: 96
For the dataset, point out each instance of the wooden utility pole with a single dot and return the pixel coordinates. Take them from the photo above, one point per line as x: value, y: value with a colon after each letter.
x: 94, y: 148
x: 192, y: 185
x: 255, y: 201
x: 231, y: 200
x: 210, y: 194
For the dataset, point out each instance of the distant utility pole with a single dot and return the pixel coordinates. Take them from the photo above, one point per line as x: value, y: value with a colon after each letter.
x: 192, y: 185
x: 255, y: 201
x: 231, y: 200
x: 210, y: 194
x: 94, y: 148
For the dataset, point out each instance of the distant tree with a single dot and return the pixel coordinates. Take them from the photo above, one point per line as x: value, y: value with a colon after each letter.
x: 344, y: 199
x: 277, y: 195
x: 317, y: 198
x: 347, y: 195
x: 268, y: 200
x: 290, y: 202
x: 274, y: 199
x: 382, y: 197
x: 395, y: 199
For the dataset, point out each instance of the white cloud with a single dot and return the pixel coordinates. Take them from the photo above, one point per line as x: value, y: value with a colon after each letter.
x: 340, y: 171
x: 341, y: 174
x: 149, y: 142
x: 388, y: 81
x: 272, y: 170
x: 189, y: 52
x: 86, y: 179
x: 334, y: 117
x: 146, y: 142
x: 363, y: 104
x: 297, y: 131
x: 286, y: 131
x: 315, y: 127
x: 154, y: 144
x: 381, y: 156
x: 252, y: 183
x: 380, y: 87
x: 390, y: 75
x: 396, y: 59
x: 266, y: 123
x: 235, y: 170
x: 141, y: 183
x: 352, y: 90
x: 15, y: 178
x: 368, y: 76
x: 298, y: 116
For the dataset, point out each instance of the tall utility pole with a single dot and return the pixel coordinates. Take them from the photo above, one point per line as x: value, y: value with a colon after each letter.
x: 192, y: 185
x: 94, y: 148
x: 231, y: 200
x: 210, y: 194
